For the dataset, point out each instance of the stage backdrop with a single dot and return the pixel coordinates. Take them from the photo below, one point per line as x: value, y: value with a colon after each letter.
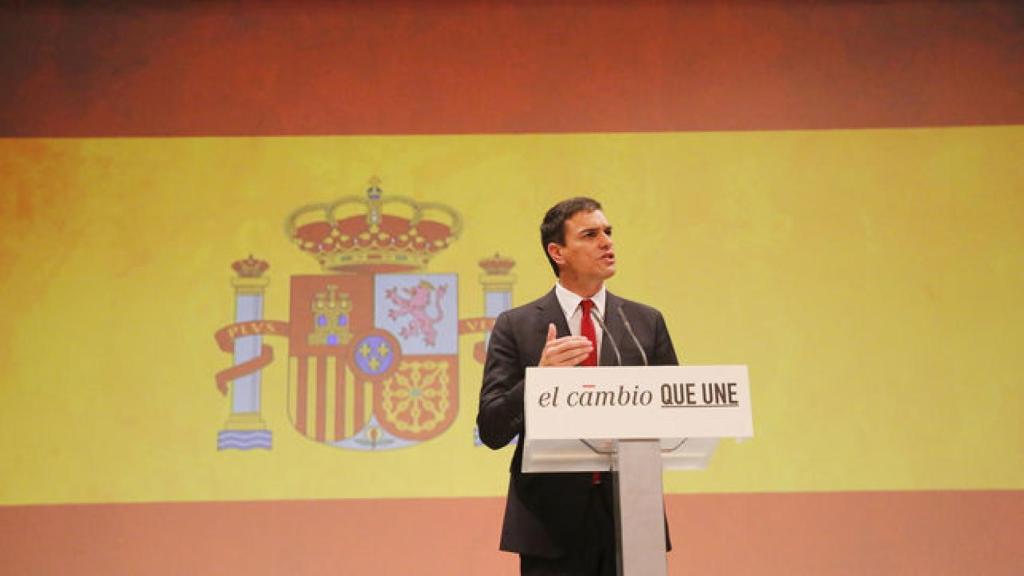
x: 249, y: 258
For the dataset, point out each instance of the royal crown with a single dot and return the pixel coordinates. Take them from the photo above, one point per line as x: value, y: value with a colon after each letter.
x: 250, y: 267
x: 356, y: 234
x: 497, y: 265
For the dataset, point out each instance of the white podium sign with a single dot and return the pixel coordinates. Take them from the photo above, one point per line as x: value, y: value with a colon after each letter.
x: 637, y: 402
x: 636, y: 421
x: 576, y: 416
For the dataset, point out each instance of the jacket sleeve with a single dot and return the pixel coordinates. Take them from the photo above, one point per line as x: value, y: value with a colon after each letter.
x: 500, y: 416
x: 664, y: 352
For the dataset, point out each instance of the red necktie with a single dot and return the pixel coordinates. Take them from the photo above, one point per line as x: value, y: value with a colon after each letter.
x: 588, y: 332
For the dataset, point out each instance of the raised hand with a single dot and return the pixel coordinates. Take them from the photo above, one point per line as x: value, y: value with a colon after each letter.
x: 564, y: 351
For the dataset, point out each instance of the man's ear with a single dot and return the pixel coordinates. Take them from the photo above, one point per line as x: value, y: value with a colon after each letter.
x: 555, y: 251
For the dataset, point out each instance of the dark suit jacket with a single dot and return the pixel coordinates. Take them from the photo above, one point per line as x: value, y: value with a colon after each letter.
x: 544, y: 513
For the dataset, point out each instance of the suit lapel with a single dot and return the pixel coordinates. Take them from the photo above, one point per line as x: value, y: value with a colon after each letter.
x: 551, y: 312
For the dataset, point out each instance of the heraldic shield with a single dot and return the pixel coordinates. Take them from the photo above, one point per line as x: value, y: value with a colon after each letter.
x: 373, y: 358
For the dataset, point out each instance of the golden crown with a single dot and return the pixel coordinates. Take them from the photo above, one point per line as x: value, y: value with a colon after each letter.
x: 497, y: 265
x: 355, y: 234
x: 250, y: 267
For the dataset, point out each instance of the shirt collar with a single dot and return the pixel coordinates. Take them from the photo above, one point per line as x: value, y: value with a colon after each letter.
x: 570, y: 301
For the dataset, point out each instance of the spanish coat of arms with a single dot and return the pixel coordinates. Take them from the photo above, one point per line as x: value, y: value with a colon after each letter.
x: 373, y: 341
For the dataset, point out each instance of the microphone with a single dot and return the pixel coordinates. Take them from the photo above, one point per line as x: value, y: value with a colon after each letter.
x: 615, y: 347
x: 629, y: 328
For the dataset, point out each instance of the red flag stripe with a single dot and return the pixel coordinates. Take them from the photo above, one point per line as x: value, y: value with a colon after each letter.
x: 216, y: 68
x: 339, y: 400
x: 301, y: 394
x: 321, y: 398
x: 827, y: 534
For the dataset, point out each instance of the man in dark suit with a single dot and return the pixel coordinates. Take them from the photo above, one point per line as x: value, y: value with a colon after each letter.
x: 563, y: 523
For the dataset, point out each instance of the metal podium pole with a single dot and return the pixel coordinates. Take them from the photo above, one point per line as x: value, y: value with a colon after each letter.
x: 640, y: 503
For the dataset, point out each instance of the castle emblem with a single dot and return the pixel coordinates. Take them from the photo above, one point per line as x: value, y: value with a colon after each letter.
x: 373, y: 339
x: 330, y: 318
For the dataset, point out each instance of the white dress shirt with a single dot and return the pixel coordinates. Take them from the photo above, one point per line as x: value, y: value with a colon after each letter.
x: 570, y: 303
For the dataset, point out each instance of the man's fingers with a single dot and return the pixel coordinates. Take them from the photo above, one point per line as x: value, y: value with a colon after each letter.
x: 567, y: 351
x: 568, y: 343
x: 576, y: 357
x: 551, y: 332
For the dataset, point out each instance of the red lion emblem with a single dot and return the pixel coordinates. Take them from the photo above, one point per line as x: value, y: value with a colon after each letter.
x: 415, y: 306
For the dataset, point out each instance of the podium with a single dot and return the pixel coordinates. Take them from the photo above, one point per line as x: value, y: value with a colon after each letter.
x: 635, y: 421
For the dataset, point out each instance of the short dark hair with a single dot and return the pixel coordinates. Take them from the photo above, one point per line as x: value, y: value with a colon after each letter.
x: 552, y: 229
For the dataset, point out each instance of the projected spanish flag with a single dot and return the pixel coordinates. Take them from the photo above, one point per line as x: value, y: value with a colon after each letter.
x: 251, y: 259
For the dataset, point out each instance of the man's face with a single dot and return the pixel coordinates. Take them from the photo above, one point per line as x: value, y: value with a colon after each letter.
x: 587, y: 254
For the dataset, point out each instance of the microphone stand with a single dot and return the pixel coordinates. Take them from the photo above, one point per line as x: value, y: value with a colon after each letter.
x: 632, y: 334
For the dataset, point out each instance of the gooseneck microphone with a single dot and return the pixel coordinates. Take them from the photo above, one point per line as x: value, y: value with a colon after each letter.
x: 629, y: 328
x: 604, y: 328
